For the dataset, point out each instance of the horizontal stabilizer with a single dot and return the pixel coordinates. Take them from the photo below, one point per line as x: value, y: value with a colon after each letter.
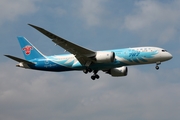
x: 19, y: 59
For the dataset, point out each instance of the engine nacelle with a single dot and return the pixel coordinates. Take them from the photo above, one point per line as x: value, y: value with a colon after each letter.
x: 121, y: 71
x: 104, y: 57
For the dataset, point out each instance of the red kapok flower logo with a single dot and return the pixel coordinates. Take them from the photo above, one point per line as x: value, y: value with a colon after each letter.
x: 27, y: 49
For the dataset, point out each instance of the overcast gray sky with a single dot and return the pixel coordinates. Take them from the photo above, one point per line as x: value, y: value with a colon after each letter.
x: 145, y: 94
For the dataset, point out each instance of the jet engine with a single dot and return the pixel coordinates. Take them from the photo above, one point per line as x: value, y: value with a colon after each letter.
x: 104, y: 57
x: 120, y: 71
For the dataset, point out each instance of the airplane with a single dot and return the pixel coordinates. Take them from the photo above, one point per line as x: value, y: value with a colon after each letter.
x: 113, y: 62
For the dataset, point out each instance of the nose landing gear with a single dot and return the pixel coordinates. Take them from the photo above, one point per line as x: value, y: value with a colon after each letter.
x: 157, y: 67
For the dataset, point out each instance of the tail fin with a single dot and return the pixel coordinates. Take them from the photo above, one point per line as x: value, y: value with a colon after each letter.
x: 29, y: 51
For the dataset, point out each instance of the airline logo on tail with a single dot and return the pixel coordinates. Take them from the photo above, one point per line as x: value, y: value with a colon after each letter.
x: 27, y: 49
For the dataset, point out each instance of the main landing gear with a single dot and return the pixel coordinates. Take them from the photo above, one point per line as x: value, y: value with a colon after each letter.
x: 157, y: 67
x: 94, y: 76
x: 87, y: 70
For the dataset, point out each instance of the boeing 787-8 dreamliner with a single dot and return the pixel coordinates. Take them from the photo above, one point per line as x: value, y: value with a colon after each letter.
x: 113, y: 62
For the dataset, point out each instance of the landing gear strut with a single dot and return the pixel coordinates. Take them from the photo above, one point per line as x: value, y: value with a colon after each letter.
x: 157, y: 67
x: 95, y: 75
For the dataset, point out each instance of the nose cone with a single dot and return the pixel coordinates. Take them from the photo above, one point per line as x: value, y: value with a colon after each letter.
x: 163, y: 55
x: 168, y: 56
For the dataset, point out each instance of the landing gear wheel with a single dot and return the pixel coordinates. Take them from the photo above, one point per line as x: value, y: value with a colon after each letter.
x: 90, y: 70
x: 97, y: 76
x: 157, y: 63
x: 157, y: 67
x: 85, y: 71
x: 93, y: 77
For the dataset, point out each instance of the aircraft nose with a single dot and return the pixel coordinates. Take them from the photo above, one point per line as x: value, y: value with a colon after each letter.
x: 169, y: 56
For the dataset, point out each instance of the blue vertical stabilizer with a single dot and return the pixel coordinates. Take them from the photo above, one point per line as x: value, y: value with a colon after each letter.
x: 29, y: 51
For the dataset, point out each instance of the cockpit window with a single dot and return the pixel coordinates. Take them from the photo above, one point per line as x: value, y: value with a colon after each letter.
x: 164, y: 50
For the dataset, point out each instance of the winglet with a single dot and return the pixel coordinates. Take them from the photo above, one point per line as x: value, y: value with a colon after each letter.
x: 45, y: 32
x: 36, y: 27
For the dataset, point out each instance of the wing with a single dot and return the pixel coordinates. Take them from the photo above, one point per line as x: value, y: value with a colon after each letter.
x: 82, y: 54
